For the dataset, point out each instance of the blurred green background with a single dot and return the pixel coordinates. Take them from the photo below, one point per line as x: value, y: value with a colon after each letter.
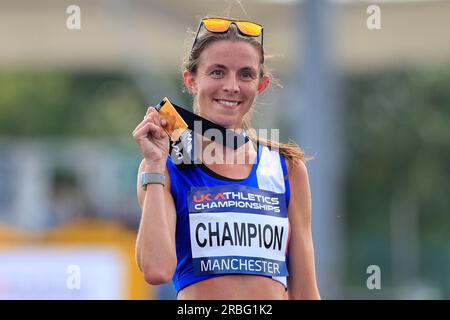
x: 69, y: 100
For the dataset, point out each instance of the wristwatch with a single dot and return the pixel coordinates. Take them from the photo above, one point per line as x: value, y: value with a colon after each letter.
x: 152, y: 178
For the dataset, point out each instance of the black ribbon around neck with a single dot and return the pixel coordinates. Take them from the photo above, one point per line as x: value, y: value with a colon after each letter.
x: 184, y: 151
x: 209, y: 129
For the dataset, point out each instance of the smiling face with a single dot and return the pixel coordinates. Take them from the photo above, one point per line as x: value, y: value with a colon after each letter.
x: 227, y: 81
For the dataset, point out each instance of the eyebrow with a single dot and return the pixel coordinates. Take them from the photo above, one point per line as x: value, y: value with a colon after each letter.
x: 221, y: 66
x: 217, y: 65
x: 251, y: 69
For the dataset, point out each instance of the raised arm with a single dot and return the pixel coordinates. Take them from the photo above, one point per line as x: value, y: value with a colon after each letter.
x: 155, y: 244
x: 302, y: 282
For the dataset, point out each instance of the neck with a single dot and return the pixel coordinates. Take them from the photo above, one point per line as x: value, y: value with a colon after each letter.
x: 216, y: 153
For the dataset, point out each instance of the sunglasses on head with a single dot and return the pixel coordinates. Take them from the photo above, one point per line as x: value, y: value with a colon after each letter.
x: 220, y: 25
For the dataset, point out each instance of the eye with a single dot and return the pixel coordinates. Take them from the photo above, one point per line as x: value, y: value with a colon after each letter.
x: 217, y: 73
x: 247, y: 75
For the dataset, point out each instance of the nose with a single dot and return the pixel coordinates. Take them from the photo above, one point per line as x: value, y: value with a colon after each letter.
x: 231, y: 84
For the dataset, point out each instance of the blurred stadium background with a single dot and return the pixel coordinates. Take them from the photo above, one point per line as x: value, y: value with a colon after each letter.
x: 372, y: 107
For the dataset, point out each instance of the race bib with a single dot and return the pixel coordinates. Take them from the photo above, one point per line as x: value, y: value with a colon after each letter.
x: 238, y: 229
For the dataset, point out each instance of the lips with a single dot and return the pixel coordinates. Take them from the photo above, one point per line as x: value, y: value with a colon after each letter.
x: 228, y: 103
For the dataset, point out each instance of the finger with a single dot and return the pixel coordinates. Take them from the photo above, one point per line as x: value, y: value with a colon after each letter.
x: 149, y: 116
x: 144, y: 134
x: 152, y: 110
x: 158, y: 132
x: 149, y: 129
x: 141, y: 124
x: 142, y: 131
x: 154, y: 116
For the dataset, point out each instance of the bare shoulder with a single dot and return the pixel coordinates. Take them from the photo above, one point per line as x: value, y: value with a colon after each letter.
x: 300, y: 204
x: 297, y: 172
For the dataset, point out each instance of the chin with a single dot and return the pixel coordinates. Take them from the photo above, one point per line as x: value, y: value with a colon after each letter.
x: 226, y: 122
x: 227, y: 117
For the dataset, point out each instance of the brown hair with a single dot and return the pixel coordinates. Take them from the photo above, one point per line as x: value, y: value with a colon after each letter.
x: 290, y: 150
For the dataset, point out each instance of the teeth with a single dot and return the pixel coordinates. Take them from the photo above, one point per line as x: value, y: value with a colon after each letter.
x: 228, y: 103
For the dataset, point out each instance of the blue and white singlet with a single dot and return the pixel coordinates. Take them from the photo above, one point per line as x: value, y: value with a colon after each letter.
x: 227, y: 226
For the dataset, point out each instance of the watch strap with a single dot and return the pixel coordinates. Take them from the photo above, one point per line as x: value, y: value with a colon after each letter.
x: 152, y: 178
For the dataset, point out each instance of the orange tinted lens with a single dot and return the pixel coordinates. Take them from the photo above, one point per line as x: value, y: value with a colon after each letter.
x: 249, y: 28
x: 216, y: 25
